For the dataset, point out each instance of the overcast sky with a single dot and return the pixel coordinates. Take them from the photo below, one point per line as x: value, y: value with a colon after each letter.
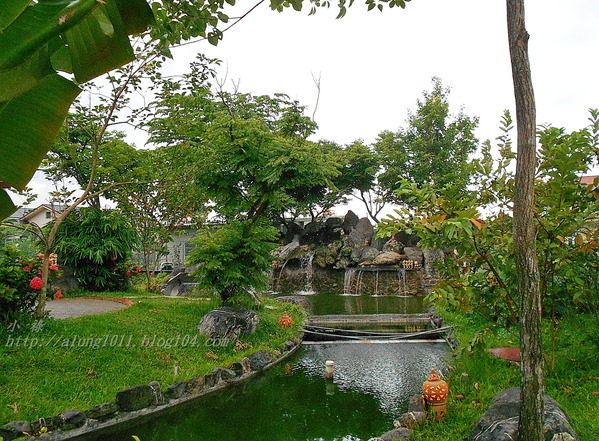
x: 374, y: 66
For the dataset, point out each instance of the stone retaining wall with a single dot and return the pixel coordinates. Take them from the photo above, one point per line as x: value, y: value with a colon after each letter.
x: 144, y: 401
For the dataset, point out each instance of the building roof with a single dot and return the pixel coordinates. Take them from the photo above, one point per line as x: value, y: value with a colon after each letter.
x: 589, y: 180
x: 55, y: 208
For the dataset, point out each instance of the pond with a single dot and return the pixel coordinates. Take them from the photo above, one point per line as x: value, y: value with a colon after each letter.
x: 321, y: 304
x: 294, y: 402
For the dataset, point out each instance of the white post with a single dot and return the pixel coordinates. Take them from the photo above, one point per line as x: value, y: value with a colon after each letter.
x: 329, y: 371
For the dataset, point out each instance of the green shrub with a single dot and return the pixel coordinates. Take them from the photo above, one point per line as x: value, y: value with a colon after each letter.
x: 97, y: 245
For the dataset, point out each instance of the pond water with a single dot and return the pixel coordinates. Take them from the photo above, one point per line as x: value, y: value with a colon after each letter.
x: 294, y: 402
x: 321, y: 304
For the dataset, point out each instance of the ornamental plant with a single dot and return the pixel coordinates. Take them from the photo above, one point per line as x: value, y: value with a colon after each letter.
x: 20, y: 281
x: 97, y: 246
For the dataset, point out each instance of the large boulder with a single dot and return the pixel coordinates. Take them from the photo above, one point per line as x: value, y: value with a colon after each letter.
x: 313, y: 233
x: 393, y: 245
x: 388, y: 258
x: 228, y: 323
x: 500, y: 421
x: 349, y: 222
x: 365, y: 227
x: 414, y: 253
x: 332, y: 229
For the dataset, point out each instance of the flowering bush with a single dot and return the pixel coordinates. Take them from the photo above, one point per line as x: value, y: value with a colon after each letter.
x: 20, y: 281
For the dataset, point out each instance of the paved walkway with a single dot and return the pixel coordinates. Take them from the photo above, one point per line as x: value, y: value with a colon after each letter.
x: 80, y: 306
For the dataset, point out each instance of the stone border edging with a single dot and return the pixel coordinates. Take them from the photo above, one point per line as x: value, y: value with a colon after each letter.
x: 94, y: 426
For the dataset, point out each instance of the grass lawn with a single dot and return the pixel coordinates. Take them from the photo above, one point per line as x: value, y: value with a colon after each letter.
x: 82, y: 362
x: 572, y: 377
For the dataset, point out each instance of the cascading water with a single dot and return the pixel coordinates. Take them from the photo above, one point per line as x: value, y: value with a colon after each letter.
x: 308, y: 271
x: 352, y: 281
x: 401, y: 282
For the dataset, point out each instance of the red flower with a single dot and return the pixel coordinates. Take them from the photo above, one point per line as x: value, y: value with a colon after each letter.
x: 53, y: 268
x: 36, y: 283
x: 128, y: 273
x: 26, y: 268
x: 41, y: 256
x: 138, y: 269
x: 58, y: 295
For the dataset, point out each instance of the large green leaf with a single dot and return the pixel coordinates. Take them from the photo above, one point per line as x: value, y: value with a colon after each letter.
x: 10, y: 10
x: 99, y: 43
x: 6, y: 206
x: 37, y: 25
x: 136, y: 14
x: 28, y: 126
x: 25, y: 76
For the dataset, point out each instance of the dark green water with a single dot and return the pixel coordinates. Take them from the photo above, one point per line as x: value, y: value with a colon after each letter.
x: 321, y: 304
x: 372, y: 385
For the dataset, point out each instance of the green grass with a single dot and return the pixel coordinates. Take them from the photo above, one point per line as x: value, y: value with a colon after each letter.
x: 476, y: 378
x: 49, y: 377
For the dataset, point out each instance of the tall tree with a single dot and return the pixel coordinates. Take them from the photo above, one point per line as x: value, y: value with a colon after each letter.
x: 530, y: 426
x: 434, y: 147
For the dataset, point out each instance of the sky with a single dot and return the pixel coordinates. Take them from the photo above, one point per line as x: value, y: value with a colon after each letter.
x: 374, y: 66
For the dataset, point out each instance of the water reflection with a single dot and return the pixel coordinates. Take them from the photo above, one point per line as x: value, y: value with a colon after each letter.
x: 372, y: 385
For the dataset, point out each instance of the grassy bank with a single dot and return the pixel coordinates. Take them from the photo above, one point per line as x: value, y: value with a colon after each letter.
x: 572, y: 376
x: 77, y: 363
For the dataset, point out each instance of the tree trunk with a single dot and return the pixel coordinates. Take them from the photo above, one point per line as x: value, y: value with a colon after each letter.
x: 531, y: 411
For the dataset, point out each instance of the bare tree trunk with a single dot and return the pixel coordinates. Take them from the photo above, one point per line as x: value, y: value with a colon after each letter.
x: 531, y: 411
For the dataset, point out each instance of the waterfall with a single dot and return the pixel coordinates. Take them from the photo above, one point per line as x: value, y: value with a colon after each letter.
x: 308, y: 270
x: 275, y: 279
x: 352, y: 281
x: 401, y: 283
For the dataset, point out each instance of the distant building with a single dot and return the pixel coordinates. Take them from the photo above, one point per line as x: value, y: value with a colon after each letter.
x: 40, y: 216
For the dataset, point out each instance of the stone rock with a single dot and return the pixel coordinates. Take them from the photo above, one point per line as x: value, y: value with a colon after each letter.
x: 228, y: 323
x: 414, y: 253
x: 431, y: 257
x: 313, y: 233
x: 102, y: 411
x: 221, y: 374
x: 136, y: 398
x: 349, y: 222
x: 289, y: 251
x: 176, y: 390
x: 296, y: 300
x: 416, y: 404
x: 408, y: 240
x: 289, y: 345
x: 393, y: 245
x: 159, y: 397
x: 354, y: 239
x: 326, y: 255
x: 71, y: 419
x: 387, y: 258
x: 365, y: 227
x: 237, y: 368
x: 369, y: 254
x: 333, y: 226
x: 291, y: 231
x: 14, y: 430
x: 399, y: 434
x: 195, y: 385
x: 259, y: 360
x: 410, y: 419
x: 500, y: 421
